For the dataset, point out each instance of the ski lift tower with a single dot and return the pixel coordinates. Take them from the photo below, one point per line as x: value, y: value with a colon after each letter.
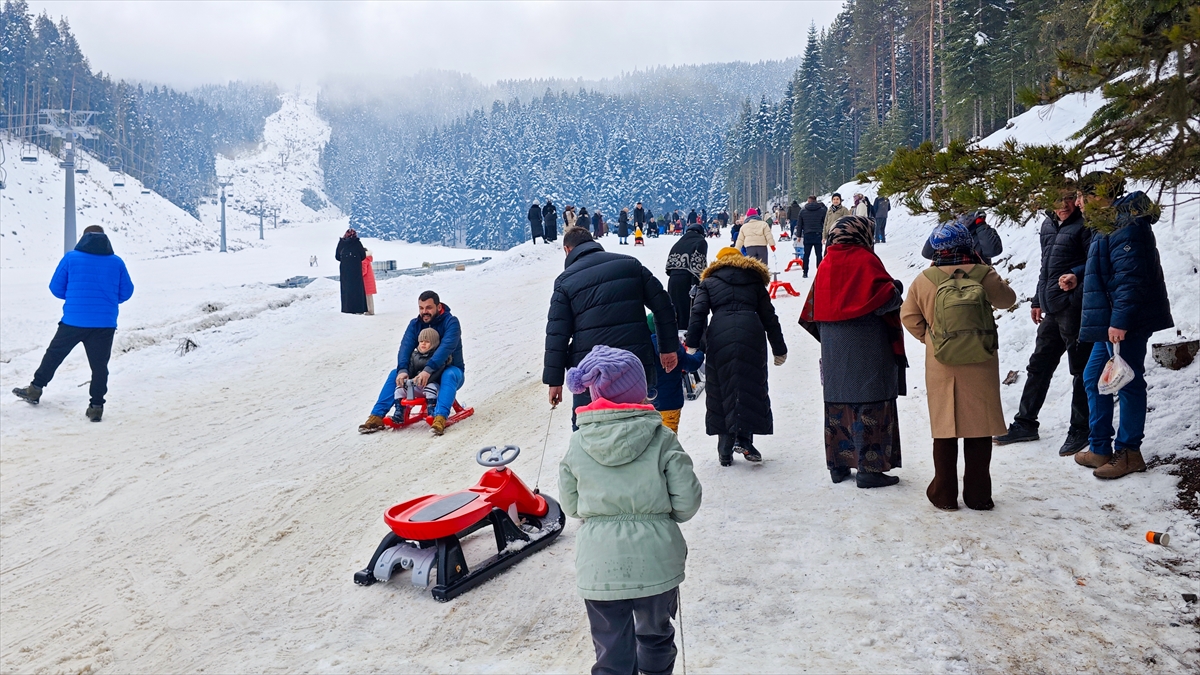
x: 223, y: 181
x: 69, y: 125
x: 262, y: 201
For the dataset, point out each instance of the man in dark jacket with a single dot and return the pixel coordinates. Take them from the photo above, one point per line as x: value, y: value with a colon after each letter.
x: 987, y: 241
x: 882, y: 206
x: 535, y: 223
x: 1056, y: 310
x: 811, y: 224
x: 639, y: 216
x: 723, y: 218
x: 1124, y: 301
x: 793, y: 218
x: 599, y: 300
x: 447, y: 358
x: 93, y: 282
x: 549, y: 222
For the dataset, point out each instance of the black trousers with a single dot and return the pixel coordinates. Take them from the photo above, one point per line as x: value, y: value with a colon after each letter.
x: 679, y: 287
x: 97, y: 342
x: 1058, y: 333
x: 811, y: 242
x: 634, y: 636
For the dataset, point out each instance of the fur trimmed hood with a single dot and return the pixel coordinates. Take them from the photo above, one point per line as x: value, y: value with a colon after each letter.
x: 740, y: 262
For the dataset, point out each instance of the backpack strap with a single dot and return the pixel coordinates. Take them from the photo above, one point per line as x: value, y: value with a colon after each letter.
x: 978, y: 273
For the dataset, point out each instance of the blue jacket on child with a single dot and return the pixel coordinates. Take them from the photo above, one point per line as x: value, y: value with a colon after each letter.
x: 92, y: 281
x: 668, y: 392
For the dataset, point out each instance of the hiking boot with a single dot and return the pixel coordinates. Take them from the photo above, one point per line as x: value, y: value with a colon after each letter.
x: 1017, y: 433
x: 439, y: 425
x: 839, y: 474
x: 95, y: 412
x: 32, y: 393
x: 374, y: 423
x: 1123, y: 462
x: 943, y: 489
x: 1076, y: 441
x: 398, y: 414
x: 869, y: 479
x: 1091, y: 459
x: 749, y: 452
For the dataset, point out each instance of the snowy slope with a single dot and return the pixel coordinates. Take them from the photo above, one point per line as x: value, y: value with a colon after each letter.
x: 214, y: 519
x: 31, y: 212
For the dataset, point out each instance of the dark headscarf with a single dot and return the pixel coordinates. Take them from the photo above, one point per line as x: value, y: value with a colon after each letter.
x: 854, y: 231
x: 349, y: 234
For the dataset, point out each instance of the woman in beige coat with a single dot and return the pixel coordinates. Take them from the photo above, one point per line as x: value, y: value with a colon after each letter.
x: 964, y: 400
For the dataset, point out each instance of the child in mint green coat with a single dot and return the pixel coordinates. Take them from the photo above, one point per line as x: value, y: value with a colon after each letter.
x: 628, y: 478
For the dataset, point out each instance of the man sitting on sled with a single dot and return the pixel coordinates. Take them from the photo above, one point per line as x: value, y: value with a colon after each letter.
x: 447, y: 358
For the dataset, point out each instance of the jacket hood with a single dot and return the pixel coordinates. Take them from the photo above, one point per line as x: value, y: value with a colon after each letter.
x: 615, y: 434
x: 95, y: 243
x: 813, y: 206
x: 750, y: 266
x: 694, y: 228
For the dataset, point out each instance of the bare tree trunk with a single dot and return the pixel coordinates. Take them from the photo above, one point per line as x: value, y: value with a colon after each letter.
x: 942, y: 44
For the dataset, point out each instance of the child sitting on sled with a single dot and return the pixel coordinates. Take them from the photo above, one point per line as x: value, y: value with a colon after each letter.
x: 637, y: 237
x: 427, y: 343
x: 669, y: 392
x: 628, y: 478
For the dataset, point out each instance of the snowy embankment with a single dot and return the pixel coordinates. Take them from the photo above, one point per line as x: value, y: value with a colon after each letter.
x: 214, y: 519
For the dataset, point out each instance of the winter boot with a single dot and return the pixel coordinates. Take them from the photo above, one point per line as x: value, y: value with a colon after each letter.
x: 872, y: 479
x: 1077, y: 439
x: 1123, y: 462
x: 1018, y: 432
x: 374, y: 423
x: 398, y: 414
x: 95, y: 412
x: 943, y: 490
x: 839, y: 474
x: 748, y: 450
x: 32, y: 393
x: 977, y: 476
x: 1090, y: 459
x: 439, y: 425
x: 725, y: 449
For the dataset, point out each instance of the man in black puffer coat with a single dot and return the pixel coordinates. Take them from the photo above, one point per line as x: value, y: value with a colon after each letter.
x: 1056, y: 310
x: 685, y: 264
x: 601, y: 299
x: 734, y: 290
x: 812, y: 224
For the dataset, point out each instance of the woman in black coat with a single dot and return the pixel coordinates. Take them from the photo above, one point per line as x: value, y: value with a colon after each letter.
x: 623, y: 226
x: 685, y: 264
x: 350, y: 253
x: 535, y: 223
x: 549, y: 222
x: 734, y: 290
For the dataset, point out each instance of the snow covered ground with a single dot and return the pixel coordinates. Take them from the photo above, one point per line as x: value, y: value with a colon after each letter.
x: 213, y: 520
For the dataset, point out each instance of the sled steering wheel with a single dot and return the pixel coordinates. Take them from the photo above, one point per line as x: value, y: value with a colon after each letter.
x: 492, y: 456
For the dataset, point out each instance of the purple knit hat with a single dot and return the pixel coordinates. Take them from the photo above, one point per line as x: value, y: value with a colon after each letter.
x: 612, y: 374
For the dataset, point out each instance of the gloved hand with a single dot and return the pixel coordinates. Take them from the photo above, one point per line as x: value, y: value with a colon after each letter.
x: 780, y: 358
x: 772, y: 249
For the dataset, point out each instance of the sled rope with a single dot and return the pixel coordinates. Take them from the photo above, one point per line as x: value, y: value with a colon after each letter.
x: 537, y: 483
x: 682, y: 648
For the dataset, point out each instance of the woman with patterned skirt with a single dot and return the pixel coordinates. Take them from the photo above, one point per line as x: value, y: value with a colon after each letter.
x: 853, y: 311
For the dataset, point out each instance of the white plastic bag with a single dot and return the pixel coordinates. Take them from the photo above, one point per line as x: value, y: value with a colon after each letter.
x: 1116, y: 373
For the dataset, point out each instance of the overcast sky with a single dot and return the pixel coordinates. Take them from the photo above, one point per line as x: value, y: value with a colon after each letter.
x: 185, y: 44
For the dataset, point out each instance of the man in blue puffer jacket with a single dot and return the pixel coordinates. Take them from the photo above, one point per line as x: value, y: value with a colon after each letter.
x: 93, y: 282
x: 1124, y: 302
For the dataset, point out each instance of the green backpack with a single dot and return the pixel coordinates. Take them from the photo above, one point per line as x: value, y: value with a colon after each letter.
x: 963, y: 329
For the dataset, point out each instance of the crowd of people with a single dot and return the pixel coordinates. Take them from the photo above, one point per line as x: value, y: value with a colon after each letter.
x: 1100, y: 292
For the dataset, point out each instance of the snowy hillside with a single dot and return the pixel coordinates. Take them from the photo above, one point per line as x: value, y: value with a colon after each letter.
x: 31, y: 211
x: 279, y: 169
x: 213, y: 520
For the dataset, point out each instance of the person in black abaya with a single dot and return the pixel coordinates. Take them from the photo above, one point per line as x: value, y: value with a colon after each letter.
x: 350, y: 254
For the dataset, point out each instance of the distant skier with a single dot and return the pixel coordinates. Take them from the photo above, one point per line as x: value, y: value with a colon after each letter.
x: 350, y: 253
x: 535, y: 223
x: 549, y: 222
x: 93, y: 282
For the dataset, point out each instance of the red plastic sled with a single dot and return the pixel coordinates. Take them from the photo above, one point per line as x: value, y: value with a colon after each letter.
x: 417, y: 410
x: 798, y: 262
